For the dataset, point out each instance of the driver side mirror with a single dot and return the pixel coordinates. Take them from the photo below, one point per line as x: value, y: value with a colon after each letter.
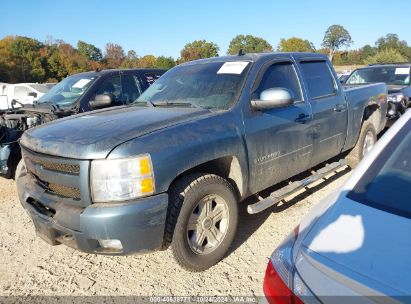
x: 101, y: 101
x: 273, y: 98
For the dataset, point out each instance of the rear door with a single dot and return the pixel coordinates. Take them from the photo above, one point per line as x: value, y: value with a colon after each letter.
x: 278, y: 140
x: 330, y: 115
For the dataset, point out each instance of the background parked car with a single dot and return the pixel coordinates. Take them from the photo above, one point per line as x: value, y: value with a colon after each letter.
x: 78, y: 93
x: 23, y: 93
x: 397, y: 78
x: 356, y: 242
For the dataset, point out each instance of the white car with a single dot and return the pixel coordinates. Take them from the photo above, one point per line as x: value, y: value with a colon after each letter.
x: 355, y: 245
x: 24, y: 93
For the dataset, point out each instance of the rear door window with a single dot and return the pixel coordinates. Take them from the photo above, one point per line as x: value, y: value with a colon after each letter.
x: 386, y: 185
x: 281, y: 75
x: 151, y: 77
x: 319, y: 79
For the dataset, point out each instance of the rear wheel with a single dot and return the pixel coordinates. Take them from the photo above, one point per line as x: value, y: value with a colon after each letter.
x: 202, y: 220
x: 365, y: 142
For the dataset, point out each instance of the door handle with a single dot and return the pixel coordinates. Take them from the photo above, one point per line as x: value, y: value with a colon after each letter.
x: 302, y: 118
x: 339, y: 107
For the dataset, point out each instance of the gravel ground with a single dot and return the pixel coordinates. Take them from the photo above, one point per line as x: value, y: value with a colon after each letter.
x: 29, y: 266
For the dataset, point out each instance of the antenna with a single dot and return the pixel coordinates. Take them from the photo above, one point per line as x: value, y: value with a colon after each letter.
x: 241, y: 52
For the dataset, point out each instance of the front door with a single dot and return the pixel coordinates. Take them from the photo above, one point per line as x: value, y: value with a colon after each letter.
x: 279, y: 141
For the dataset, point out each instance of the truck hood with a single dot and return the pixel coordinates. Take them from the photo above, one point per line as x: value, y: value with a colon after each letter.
x: 95, y: 134
x: 356, y: 246
x: 394, y: 89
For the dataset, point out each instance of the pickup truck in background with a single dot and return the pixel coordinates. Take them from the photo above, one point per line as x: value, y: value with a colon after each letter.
x: 172, y: 167
x: 75, y: 94
x: 397, y: 79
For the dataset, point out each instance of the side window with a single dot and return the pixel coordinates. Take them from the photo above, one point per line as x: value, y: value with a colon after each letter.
x: 319, y: 80
x: 111, y: 86
x: 20, y: 92
x: 131, y: 88
x: 151, y: 77
x: 281, y: 75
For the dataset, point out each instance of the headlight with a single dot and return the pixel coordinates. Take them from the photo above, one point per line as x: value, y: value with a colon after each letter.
x: 121, y: 179
x: 395, y: 97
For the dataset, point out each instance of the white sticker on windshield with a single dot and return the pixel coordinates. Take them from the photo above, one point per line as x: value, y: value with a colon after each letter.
x: 233, y: 67
x: 402, y: 71
x: 81, y: 83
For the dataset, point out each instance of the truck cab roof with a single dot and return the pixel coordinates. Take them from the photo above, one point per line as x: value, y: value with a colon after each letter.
x: 253, y: 57
x: 113, y: 71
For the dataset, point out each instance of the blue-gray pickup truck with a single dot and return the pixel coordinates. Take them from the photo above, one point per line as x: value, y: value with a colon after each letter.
x: 170, y: 169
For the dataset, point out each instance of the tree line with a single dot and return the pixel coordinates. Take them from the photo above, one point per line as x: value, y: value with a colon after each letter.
x: 24, y: 59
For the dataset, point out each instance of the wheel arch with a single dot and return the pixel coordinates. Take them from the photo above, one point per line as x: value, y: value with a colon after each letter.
x: 227, y: 167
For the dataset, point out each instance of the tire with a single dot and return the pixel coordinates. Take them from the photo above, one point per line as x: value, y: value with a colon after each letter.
x: 361, y: 148
x: 202, y: 220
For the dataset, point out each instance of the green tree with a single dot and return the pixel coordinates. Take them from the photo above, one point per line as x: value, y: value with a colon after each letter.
x: 131, y: 60
x: 249, y: 44
x: 386, y: 56
x: 114, y: 55
x: 295, y: 44
x: 64, y: 60
x: 367, y: 51
x: 336, y: 37
x: 90, y: 51
x: 198, y: 49
x: 392, y: 41
x: 163, y: 62
x: 20, y: 59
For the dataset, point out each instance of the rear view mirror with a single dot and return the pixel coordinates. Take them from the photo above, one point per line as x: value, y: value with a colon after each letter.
x: 101, y: 101
x: 273, y: 98
x: 32, y: 94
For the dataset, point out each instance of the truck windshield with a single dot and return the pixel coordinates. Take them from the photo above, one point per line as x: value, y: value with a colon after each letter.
x: 68, y: 90
x: 389, y: 75
x: 386, y: 185
x: 212, y: 85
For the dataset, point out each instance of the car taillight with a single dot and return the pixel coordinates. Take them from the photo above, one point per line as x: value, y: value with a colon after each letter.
x: 278, y: 278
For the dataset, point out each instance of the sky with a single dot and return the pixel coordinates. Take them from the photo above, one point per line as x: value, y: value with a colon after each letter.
x: 163, y: 27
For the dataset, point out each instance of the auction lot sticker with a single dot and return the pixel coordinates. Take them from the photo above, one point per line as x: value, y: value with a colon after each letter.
x: 233, y: 67
x: 402, y: 71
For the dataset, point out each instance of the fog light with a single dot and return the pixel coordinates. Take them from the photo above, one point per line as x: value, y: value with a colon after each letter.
x: 111, y: 245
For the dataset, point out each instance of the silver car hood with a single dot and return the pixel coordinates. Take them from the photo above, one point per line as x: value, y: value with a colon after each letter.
x: 361, y: 249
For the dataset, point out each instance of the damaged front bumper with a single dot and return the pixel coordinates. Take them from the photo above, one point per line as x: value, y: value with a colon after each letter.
x: 112, y: 229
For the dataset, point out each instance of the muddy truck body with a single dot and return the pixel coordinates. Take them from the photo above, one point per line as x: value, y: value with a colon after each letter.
x: 172, y: 168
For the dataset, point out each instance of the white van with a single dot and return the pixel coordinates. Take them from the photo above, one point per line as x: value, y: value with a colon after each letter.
x: 24, y: 93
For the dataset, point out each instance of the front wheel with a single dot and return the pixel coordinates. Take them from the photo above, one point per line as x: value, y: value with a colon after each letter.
x: 365, y: 142
x: 202, y: 220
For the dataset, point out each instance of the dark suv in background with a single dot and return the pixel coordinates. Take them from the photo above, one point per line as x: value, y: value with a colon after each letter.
x: 78, y: 93
x: 397, y: 78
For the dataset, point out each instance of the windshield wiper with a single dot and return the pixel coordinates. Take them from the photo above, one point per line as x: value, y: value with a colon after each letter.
x: 187, y: 103
x: 149, y: 103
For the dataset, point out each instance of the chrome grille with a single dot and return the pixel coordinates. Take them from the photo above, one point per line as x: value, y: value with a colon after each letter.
x: 57, y: 176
